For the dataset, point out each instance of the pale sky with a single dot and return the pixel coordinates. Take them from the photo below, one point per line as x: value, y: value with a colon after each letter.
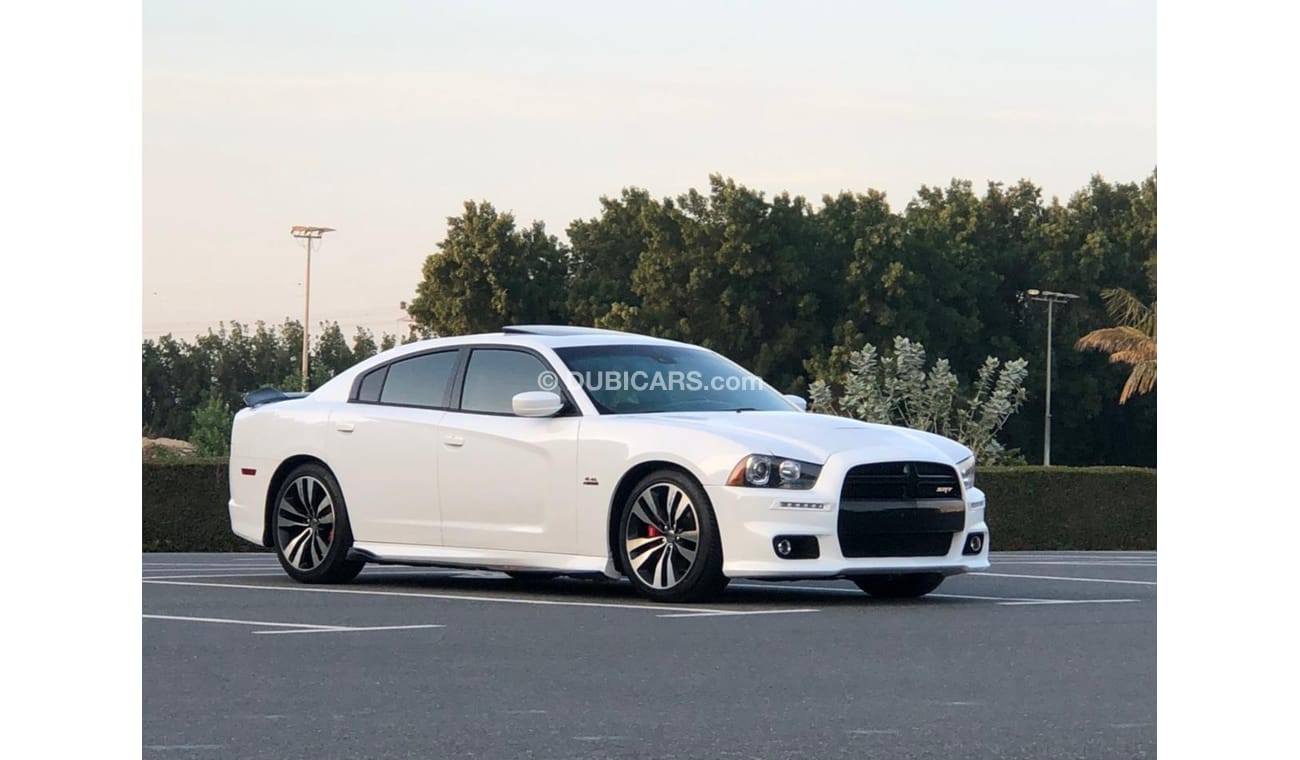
x: 380, y: 119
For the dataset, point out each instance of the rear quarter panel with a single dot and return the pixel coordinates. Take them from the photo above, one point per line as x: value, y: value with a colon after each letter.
x: 261, y: 439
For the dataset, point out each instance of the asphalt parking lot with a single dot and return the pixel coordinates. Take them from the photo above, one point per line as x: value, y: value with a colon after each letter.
x: 1046, y: 655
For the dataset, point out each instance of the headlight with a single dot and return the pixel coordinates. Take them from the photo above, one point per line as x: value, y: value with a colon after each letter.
x: 966, y: 468
x: 763, y: 471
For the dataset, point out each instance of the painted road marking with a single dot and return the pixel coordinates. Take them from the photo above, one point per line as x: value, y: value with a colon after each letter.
x: 287, y: 627
x: 453, y: 597
x: 1090, y: 564
x: 1065, y: 578
x: 349, y: 629
x: 1029, y: 602
x: 722, y: 613
x: 1002, y: 600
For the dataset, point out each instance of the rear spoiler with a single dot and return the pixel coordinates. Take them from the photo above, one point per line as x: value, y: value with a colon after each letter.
x: 269, y: 396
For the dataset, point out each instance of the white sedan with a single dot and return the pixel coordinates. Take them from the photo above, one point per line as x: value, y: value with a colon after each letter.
x: 545, y: 450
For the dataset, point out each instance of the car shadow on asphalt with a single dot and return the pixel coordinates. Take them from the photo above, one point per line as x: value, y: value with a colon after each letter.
x: 742, y: 592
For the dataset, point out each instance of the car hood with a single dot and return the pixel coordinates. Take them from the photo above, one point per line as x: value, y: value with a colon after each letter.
x: 814, y: 437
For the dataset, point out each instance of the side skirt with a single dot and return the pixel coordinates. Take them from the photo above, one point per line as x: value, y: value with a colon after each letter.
x: 484, y: 559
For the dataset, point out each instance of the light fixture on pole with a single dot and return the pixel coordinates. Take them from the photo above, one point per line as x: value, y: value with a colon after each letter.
x: 309, y: 234
x: 1051, y: 298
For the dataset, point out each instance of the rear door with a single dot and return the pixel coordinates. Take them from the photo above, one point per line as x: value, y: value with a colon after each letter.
x: 507, y: 482
x: 384, y: 448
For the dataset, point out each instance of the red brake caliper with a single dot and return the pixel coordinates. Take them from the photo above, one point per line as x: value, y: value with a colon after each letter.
x: 652, y: 531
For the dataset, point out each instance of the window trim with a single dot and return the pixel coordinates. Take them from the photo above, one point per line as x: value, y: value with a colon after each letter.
x: 456, y: 367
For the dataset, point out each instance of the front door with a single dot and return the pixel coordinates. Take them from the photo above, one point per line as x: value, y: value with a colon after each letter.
x: 506, y: 482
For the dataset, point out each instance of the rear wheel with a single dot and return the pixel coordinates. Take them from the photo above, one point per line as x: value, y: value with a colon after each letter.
x: 900, y: 586
x: 310, y: 524
x: 669, y: 546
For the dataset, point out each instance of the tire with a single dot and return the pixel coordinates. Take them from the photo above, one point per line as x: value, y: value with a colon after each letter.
x: 667, y: 543
x: 901, y: 586
x: 310, y: 529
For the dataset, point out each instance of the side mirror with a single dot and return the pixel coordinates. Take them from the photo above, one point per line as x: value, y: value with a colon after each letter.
x: 799, y: 402
x: 536, y: 404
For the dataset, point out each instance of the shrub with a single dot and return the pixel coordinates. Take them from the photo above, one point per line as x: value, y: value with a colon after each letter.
x: 897, y: 390
x: 1086, y: 508
x: 210, y: 431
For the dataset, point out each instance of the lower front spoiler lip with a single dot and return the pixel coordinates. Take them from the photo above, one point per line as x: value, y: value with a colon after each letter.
x: 844, y: 567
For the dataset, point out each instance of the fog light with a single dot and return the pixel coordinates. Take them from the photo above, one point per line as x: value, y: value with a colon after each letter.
x: 974, y: 544
x: 796, y: 547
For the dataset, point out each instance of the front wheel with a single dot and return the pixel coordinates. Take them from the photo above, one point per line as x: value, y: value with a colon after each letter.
x: 669, y: 545
x: 310, y: 523
x: 899, y: 586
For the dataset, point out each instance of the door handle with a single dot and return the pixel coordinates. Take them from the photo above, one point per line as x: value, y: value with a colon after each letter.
x: 344, y: 427
x: 453, y: 440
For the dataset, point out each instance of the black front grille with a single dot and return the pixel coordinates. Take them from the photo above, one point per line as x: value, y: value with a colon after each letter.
x: 895, y: 544
x: 901, y: 481
x: 900, y: 509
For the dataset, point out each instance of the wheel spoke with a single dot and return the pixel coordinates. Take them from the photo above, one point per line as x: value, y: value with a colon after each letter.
x: 646, y: 516
x: 311, y: 496
x: 301, y: 487
x: 639, y: 563
x: 287, y: 507
x: 688, y: 553
x: 679, y: 505
x: 318, y: 549
x: 661, y: 509
x: 637, y: 546
x: 670, y: 577
x: 293, y: 550
x: 326, y: 514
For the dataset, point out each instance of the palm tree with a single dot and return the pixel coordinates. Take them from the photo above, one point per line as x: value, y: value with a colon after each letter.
x: 1132, y: 341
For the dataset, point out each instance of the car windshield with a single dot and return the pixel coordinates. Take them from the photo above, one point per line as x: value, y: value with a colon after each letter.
x: 641, y: 379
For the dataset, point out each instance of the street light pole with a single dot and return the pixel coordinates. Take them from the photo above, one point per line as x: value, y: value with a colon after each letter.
x: 309, y: 234
x: 1051, y: 298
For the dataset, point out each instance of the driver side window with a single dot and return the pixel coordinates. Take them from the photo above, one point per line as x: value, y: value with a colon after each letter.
x: 495, y: 375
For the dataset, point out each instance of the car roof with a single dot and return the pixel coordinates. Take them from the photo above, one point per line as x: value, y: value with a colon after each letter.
x: 551, y: 336
x: 533, y: 336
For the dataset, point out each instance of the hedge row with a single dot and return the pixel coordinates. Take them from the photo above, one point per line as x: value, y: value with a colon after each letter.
x: 184, y: 508
x: 1088, y: 508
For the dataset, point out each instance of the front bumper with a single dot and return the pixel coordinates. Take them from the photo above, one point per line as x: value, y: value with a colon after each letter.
x: 750, y: 519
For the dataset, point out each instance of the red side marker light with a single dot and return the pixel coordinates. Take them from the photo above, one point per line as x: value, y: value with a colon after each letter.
x: 248, y: 471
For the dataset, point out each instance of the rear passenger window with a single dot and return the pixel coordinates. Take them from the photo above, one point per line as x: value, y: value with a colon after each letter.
x: 370, y: 385
x: 419, y: 381
x: 494, y: 377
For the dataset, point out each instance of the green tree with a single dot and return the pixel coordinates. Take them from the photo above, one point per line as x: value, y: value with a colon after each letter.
x: 487, y: 274
x: 363, y: 344
x: 211, y: 427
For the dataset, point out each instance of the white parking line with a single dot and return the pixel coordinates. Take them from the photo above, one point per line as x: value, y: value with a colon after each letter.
x: 1002, y: 600
x: 292, y: 627
x: 1029, y: 602
x: 726, y: 613
x: 1065, y: 578
x: 453, y: 597
x: 265, y: 574
x: 235, y: 622
x: 1003, y: 562
x: 348, y: 629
